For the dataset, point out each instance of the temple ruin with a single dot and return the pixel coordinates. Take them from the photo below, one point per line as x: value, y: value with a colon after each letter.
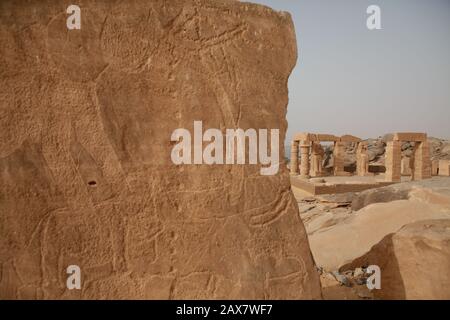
x: 307, y: 157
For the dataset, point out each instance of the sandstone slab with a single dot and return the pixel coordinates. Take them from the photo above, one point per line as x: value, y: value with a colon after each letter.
x: 414, y: 262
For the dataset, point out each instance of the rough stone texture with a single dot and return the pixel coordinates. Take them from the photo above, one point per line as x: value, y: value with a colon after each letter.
x: 85, y: 171
x: 379, y: 195
x: 400, y: 191
x: 414, y: 261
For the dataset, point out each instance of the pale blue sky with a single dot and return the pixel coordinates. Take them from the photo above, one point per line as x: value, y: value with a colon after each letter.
x: 349, y: 79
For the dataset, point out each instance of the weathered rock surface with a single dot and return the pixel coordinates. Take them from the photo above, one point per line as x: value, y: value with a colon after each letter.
x: 85, y: 172
x: 414, y: 262
x: 379, y: 195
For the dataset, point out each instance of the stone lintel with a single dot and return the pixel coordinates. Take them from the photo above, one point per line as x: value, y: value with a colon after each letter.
x: 304, y: 136
x: 326, y: 137
x: 312, y: 137
x: 410, y: 136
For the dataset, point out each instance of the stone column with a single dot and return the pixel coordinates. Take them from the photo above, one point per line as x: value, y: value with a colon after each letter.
x: 435, y: 167
x: 412, y: 162
x: 393, y: 161
x: 317, y: 154
x: 338, y: 158
x: 422, y: 164
x: 294, y: 158
x: 304, y: 159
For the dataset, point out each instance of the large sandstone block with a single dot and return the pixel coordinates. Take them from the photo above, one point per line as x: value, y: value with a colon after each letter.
x: 86, y: 177
x: 414, y: 261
